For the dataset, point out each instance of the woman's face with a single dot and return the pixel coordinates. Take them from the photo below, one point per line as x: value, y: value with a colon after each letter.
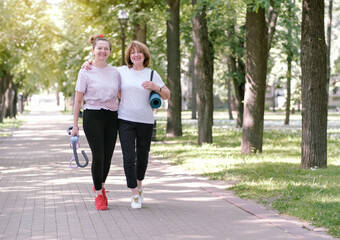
x: 101, y: 51
x: 137, y: 57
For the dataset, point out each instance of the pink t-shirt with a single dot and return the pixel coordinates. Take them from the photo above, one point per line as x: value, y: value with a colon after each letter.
x: 100, y: 87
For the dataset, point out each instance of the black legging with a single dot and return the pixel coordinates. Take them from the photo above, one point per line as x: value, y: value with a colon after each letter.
x: 100, y: 127
x: 135, y: 140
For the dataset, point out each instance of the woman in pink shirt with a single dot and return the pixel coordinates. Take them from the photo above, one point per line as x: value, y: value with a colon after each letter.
x: 99, y: 89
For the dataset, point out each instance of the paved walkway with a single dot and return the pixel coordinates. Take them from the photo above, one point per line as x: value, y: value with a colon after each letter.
x: 42, y: 198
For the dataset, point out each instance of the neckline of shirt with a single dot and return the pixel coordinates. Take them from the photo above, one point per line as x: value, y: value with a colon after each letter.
x: 141, y: 70
x: 107, y: 65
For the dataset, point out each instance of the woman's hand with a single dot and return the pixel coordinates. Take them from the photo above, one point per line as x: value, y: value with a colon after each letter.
x: 87, y: 65
x: 150, y: 86
x: 163, y: 91
x: 75, y: 131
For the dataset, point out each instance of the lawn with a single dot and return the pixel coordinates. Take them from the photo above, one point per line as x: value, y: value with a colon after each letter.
x: 272, y: 178
x: 8, y: 125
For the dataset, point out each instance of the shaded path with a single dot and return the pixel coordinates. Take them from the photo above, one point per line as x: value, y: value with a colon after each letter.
x: 42, y: 198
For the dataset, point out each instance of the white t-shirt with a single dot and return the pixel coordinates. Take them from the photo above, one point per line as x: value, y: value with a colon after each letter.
x: 100, y: 87
x: 135, y: 105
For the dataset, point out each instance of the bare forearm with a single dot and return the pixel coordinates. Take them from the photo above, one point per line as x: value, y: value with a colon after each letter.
x: 165, y: 93
x: 76, y: 109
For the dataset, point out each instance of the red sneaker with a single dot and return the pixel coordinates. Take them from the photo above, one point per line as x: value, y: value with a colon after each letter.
x: 100, y: 203
x: 104, y: 194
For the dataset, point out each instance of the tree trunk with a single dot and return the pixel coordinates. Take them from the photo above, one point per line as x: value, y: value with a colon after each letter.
x: 274, y: 96
x: 237, y: 71
x: 313, y: 85
x: 272, y: 19
x: 139, y: 32
x: 174, y: 124
x: 13, y: 104
x: 329, y: 40
x: 193, y: 87
x: 2, y: 109
x: 289, y: 79
x: 229, y: 100
x: 256, y: 68
x: 289, y: 64
x: 203, y: 75
x: 139, y: 25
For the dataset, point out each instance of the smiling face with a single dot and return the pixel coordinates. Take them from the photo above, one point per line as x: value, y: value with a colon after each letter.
x: 137, y: 57
x: 101, y: 51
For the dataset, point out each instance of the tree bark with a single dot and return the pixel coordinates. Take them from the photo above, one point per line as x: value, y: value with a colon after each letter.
x: 230, y: 112
x: 193, y: 87
x: 272, y: 19
x: 139, y: 26
x: 313, y: 85
x: 289, y: 64
x: 329, y: 39
x: 237, y: 70
x: 203, y: 75
x: 289, y: 79
x: 4, y: 85
x: 174, y: 123
x: 256, y: 68
x: 2, y: 109
x: 139, y: 32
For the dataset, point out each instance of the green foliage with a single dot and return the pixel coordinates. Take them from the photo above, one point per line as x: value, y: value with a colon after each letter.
x: 337, y: 66
x: 27, y: 44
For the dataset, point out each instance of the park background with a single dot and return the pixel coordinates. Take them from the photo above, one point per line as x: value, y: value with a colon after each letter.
x: 44, y: 43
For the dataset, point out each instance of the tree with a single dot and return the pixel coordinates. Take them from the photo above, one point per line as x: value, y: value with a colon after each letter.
x: 289, y: 65
x: 236, y: 68
x: 174, y: 123
x: 291, y: 52
x: 203, y: 73
x: 314, y: 85
x: 26, y: 47
x: 272, y: 20
x: 329, y: 39
x: 256, y: 69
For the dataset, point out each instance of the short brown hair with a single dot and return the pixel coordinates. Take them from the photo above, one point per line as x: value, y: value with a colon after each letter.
x: 140, y: 47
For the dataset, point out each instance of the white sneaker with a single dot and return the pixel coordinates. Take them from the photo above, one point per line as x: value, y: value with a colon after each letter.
x: 136, y: 202
x: 141, y: 195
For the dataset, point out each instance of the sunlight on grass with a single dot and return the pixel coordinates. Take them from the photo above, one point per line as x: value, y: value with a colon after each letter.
x: 8, y: 125
x: 273, y: 178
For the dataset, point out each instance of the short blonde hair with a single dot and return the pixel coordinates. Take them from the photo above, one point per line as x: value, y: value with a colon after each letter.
x: 140, y: 47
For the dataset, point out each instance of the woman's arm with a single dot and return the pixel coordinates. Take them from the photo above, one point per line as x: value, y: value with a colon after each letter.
x: 77, y: 104
x: 164, y: 92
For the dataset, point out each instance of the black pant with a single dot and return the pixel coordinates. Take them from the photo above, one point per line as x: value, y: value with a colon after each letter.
x: 135, y: 140
x: 100, y: 127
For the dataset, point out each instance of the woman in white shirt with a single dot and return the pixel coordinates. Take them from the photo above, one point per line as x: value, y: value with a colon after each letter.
x: 136, y: 117
x: 98, y: 88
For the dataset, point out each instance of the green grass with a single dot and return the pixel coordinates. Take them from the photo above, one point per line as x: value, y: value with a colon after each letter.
x: 7, y: 126
x: 272, y: 178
